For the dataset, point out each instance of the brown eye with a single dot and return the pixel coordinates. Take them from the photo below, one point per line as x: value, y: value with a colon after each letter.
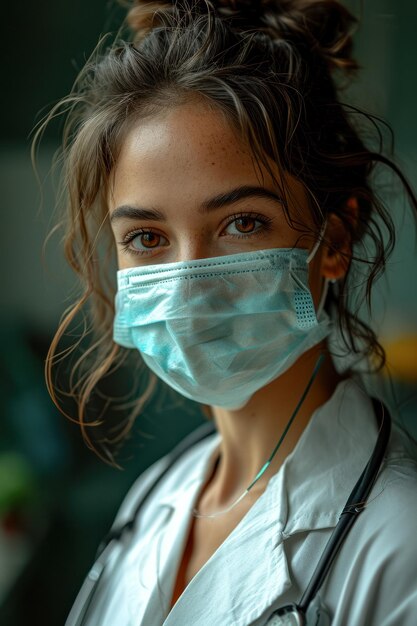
x: 248, y: 225
x: 148, y: 240
x: 245, y: 224
x: 143, y: 242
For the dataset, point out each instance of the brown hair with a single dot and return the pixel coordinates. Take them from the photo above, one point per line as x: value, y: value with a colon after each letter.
x: 273, y: 69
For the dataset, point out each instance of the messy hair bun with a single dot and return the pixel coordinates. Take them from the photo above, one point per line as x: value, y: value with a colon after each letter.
x: 322, y: 26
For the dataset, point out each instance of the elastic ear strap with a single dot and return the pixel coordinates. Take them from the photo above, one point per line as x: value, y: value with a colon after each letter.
x: 318, y: 242
x: 323, y: 297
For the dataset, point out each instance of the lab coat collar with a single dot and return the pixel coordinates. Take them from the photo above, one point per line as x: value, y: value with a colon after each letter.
x: 328, y: 459
x: 316, y: 479
x: 307, y: 493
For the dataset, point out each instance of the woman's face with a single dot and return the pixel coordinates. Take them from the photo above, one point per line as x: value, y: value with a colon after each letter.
x: 180, y: 191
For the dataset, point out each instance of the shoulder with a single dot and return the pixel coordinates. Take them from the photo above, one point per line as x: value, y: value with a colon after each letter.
x: 393, y: 503
x: 141, y: 485
x: 388, y: 522
x: 376, y: 569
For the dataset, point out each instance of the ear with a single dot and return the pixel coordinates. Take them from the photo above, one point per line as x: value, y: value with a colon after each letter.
x: 337, y: 244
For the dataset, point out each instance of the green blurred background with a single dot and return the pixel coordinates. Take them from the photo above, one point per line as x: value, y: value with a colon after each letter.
x: 57, y: 499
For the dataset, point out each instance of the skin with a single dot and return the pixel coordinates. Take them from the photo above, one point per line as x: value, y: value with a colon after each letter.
x: 174, y: 162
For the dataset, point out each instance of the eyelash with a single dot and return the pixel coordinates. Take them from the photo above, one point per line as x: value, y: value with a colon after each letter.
x: 265, y: 221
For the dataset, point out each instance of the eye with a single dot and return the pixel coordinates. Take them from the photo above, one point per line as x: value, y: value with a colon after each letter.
x: 147, y: 239
x: 142, y: 241
x: 245, y: 224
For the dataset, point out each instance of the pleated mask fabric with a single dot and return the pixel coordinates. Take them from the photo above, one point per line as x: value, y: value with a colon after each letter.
x: 218, y: 329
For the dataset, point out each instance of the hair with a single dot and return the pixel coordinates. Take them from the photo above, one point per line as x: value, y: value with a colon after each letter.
x: 274, y: 69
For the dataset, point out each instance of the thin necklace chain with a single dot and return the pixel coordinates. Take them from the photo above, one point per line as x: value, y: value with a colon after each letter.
x: 263, y: 469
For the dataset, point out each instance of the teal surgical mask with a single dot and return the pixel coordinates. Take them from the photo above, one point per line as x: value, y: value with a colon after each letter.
x: 218, y: 329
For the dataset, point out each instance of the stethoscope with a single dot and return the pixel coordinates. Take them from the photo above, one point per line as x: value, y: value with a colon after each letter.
x: 290, y: 614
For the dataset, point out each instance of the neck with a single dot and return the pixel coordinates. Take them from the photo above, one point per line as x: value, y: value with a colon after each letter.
x: 250, y: 434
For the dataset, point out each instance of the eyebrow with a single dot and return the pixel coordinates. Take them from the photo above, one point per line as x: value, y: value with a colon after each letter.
x: 217, y: 202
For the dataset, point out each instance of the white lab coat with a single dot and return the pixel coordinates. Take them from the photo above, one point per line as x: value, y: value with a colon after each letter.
x: 269, y: 557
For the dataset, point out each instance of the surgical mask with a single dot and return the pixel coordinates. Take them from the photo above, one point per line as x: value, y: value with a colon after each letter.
x: 218, y: 329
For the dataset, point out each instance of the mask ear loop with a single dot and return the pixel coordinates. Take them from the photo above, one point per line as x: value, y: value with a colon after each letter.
x: 318, y: 242
x: 326, y: 280
x: 324, y: 295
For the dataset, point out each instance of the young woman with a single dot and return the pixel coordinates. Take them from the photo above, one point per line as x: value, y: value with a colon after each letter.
x: 213, y: 151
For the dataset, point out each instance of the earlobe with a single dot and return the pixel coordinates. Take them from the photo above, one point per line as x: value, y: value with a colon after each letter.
x: 337, y: 245
x: 335, y: 259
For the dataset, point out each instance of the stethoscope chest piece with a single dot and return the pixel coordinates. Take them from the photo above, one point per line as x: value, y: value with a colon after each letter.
x: 288, y: 615
x: 292, y: 615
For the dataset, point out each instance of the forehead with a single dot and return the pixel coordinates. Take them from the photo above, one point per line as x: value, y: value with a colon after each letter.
x: 190, y: 151
x: 190, y: 136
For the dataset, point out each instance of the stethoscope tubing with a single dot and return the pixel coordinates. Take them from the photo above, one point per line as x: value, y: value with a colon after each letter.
x: 354, y: 505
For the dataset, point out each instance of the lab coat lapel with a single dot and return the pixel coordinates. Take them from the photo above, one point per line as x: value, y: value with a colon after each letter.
x: 328, y: 459
x: 142, y: 589
x: 246, y: 573
x: 157, y: 557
